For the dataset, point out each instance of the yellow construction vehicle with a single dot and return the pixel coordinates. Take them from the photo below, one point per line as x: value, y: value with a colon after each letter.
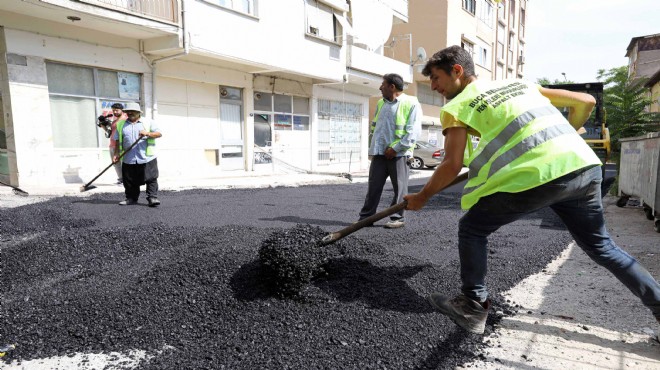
x: 594, y: 131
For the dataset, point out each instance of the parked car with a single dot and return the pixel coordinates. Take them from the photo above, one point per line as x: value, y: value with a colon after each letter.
x: 426, y: 154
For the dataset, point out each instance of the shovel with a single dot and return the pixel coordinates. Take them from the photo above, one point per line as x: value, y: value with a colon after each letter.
x: 89, y: 185
x: 333, y: 237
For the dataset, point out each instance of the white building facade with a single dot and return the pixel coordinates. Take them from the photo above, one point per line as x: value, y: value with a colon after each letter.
x: 249, y: 86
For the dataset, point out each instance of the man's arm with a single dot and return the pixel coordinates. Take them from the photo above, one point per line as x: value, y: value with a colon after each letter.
x: 413, y: 127
x: 579, y: 104
x: 446, y: 172
x: 153, y: 133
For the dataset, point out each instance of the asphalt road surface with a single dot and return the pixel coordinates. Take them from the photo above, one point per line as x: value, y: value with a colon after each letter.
x: 183, y: 282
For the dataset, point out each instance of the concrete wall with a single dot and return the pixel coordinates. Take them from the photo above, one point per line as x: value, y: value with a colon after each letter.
x: 269, y: 53
x: 273, y: 41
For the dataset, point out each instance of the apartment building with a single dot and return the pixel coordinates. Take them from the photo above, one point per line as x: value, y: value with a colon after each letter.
x: 643, y: 54
x: 493, y: 32
x: 234, y: 85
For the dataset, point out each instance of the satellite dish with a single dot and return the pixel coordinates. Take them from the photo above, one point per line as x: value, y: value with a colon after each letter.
x: 421, y: 53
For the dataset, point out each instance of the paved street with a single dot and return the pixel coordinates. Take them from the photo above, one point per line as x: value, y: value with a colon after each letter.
x: 181, y: 285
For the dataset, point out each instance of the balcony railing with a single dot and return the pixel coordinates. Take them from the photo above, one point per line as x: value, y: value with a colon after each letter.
x: 163, y: 10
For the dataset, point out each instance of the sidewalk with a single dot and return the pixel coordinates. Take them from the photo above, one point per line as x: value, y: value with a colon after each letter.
x: 236, y: 180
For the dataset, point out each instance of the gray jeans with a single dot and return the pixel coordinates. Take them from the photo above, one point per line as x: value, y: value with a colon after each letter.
x: 381, y: 168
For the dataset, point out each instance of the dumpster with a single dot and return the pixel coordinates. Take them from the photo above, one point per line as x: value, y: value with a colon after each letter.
x: 639, y: 174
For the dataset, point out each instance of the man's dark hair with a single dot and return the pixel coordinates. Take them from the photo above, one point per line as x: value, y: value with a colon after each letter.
x: 394, y: 79
x: 446, y: 58
x: 117, y: 106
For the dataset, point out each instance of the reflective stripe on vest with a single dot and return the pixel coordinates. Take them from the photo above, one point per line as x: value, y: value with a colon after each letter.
x: 525, y: 142
x: 151, y: 142
x: 505, y: 135
x: 406, y: 104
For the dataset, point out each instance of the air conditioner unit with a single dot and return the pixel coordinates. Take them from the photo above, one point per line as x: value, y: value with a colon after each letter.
x: 521, y: 60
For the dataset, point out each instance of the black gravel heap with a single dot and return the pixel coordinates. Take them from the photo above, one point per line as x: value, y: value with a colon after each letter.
x: 294, y: 256
x: 202, y: 297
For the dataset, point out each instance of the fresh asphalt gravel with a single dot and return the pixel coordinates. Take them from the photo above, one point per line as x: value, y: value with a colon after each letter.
x: 185, y: 283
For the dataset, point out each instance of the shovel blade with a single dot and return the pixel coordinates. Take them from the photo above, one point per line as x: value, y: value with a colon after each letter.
x: 84, y: 188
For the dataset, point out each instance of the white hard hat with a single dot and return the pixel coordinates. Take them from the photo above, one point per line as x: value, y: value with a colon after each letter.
x: 132, y: 107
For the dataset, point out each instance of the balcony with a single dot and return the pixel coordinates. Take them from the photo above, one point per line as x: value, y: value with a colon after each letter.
x: 162, y: 10
x: 399, y: 8
x: 367, y: 67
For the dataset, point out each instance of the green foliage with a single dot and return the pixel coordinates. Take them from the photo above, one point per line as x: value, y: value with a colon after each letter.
x: 626, y: 105
x: 546, y: 81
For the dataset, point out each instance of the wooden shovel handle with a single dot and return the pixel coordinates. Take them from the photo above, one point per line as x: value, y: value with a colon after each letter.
x: 333, y: 237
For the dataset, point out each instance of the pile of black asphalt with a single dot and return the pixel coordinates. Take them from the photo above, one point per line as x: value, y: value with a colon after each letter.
x: 185, y: 283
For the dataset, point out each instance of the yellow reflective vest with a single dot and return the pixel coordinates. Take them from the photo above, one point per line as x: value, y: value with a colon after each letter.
x: 406, y: 103
x: 151, y: 142
x: 525, y: 141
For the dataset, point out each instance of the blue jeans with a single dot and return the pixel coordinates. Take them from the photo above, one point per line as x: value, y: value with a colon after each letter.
x: 576, y: 199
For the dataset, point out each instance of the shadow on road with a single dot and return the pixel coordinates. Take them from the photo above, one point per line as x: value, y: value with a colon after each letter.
x: 350, y: 279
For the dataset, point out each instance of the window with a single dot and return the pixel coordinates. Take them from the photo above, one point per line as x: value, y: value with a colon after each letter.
x: 512, y: 40
x: 499, y: 75
x: 231, y: 127
x: 501, y: 42
x: 428, y: 96
x: 339, y: 132
x: 522, y: 22
x: 512, y: 13
x: 482, y: 56
x: 286, y: 112
x: 468, y: 46
x: 321, y: 21
x: 486, y: 13
x: 521, y: 57
x: 241, y: 6
x: 501, y: 10
x: 80, y: 94
x: 470, y: 6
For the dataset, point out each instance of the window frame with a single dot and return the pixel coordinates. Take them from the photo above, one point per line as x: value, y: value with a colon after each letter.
x: 483, y: 58
x: 470, y: 6
x: 465, y: 42
x: 484, y: 16
x: 337, y: 28
x: 232, y: 8
x: 99, y: 100
x: 512, y: 13
x: 272, y: 113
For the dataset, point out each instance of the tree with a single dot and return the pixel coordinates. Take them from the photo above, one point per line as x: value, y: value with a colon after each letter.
x: 546, y: 81
x: 626, y: 102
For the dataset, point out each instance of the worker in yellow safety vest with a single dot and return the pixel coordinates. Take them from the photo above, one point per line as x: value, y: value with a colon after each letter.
x: 528, y: 157
x: 393, y: 134
x: 136, y: 141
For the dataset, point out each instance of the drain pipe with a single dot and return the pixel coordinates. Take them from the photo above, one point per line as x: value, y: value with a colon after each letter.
x: 155, y: 62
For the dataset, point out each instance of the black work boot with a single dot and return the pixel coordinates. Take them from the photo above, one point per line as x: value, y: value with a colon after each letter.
x: 153, y: 202
x: 466, y: 313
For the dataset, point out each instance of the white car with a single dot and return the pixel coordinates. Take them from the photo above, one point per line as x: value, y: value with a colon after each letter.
x: 427, y: 155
